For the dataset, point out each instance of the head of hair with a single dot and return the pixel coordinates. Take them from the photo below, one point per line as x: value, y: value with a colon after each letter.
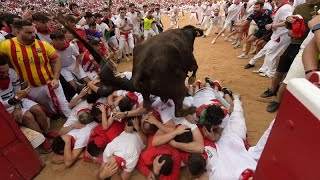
x: 167, y: 167
x: 58, y: 145
x: 19, y: 24
x: 144, y: 6
x: 56, y: 34
x: 70, y: 18
x: 92, y: 24
x: 214, y: 115
x: 185, y: 137
x: 85, y: 117
x: 40, y: 17
x: 9, y: 18
x: 88, y: 15
x: 4, y: 60
x: 131, y: 5
x: 196, y: 164
x: 259, y: 3
x: 151, y: 129
x: 122, y: 8
x: 93, y: 149
x: 95, y: 111
x: 97, y: 15
x: 106, y: 10
x: 125, y: 104
x: 72, y: 5
x: 94, y: 42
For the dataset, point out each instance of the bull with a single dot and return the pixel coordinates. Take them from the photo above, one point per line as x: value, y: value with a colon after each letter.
x: 160, y: 66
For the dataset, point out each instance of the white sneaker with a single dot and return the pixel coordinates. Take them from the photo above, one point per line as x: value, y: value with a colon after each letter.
x: 234, y: 42
x: 223, y: 35
x: 262, y: 74
x: 257, y: 71
x: 237, y: 46
x: 243, y: 56
x: 213, y: 41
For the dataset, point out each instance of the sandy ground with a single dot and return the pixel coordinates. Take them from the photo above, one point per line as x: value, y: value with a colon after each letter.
x: 219, y: 62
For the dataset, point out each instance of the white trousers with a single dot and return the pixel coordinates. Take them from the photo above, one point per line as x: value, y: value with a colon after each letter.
x: 42, y: 96
x: 256, y: 150
x: 123, y: 41
x: 193, y: 15
x: 205, y: 21
x: 271, y: 51
x: 148, y: 34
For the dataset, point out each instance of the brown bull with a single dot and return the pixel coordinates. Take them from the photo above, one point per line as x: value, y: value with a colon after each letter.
x: 160, y: 66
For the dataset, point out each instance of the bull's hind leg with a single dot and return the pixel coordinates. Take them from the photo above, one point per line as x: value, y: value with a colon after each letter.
x: 194, y: 69
x: 179, y: 111
x: 146, y: 101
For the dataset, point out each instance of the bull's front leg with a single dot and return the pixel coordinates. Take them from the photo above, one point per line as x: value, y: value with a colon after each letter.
x: 194, y: 69
x: 179, y: 111
x: 146, y: 101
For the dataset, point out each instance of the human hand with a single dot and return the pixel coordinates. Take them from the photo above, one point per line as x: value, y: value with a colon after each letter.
x: 76, y: 70
x: 291, y: 19
x: 22, y: 93
x: 54, y: 83
x: 157, y: 166
x: 135, y: 123
x: 208, y: 135
x: 84, y: 91
x: 119, y: 115
x: 17, y: 115
x: 268, y: 26
x: 181, y: 129
x: 102, y: 108
x: 110, y: 169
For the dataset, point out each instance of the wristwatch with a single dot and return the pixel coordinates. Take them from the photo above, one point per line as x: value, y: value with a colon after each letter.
x: 315, y: 27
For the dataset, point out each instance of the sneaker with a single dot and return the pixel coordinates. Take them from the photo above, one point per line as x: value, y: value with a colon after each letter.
x: 226, y: 91
x: 262, y: 74
x: 226, y: 39
x: 248, y: 66
x: 273, y: 106
x: 207, y: 80
x: 267, y: 93
x: 257, y: 71
x: 46, y: 146
x: 237, y: 46
x: 51, y: 135
x: 234, y: 42
x: 222, y: 34
x: 236, y: 96
x: 213, y: 41
x: 243, y: 56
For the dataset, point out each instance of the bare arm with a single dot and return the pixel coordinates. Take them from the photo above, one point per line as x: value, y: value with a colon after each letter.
x: 56, y: 63
x: 196, y: 146
x: 161, y: 138
x: 70, y: 156
x: 310, y: 58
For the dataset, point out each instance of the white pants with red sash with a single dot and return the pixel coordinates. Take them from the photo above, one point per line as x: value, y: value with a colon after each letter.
x: 126, y: 37
x: 51, y: 98
x: 193, y: 15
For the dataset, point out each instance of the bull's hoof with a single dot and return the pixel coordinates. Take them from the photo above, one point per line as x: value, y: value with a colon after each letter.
x: 191, y: 80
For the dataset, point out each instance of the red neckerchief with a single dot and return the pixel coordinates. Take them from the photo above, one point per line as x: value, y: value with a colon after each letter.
x: 275, y: 12
x: 298, y: 27
x: 6, y: 29
x: 4, y: 83
x: 133, y: 98
x: 66, y: 45
x: 237, y: 3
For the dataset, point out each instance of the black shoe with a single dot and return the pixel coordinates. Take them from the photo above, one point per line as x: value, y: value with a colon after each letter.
x: 207, y: 80
x: 267, y: 93
x: 248, y: 66
x: 273, y: 106
x: 227, y: 91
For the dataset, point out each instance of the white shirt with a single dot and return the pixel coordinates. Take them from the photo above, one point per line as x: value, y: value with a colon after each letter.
x: 73, y: 118
x: 281, y: 15
x: 68, y: 56
x: 215, y: 5
x: 44, y: 37
x: 14, y: 85
x: 233, y: 12
x: 208, y: 11
x: 267, y: 5
x: 120, y: 22
x: 134, y: 17
x: 157, y: 15
x: 82, y: 135
x: 128, y: 146
x: 183, y: 121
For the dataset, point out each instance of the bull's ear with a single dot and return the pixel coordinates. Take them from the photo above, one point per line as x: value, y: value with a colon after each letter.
x: 199, y: 32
